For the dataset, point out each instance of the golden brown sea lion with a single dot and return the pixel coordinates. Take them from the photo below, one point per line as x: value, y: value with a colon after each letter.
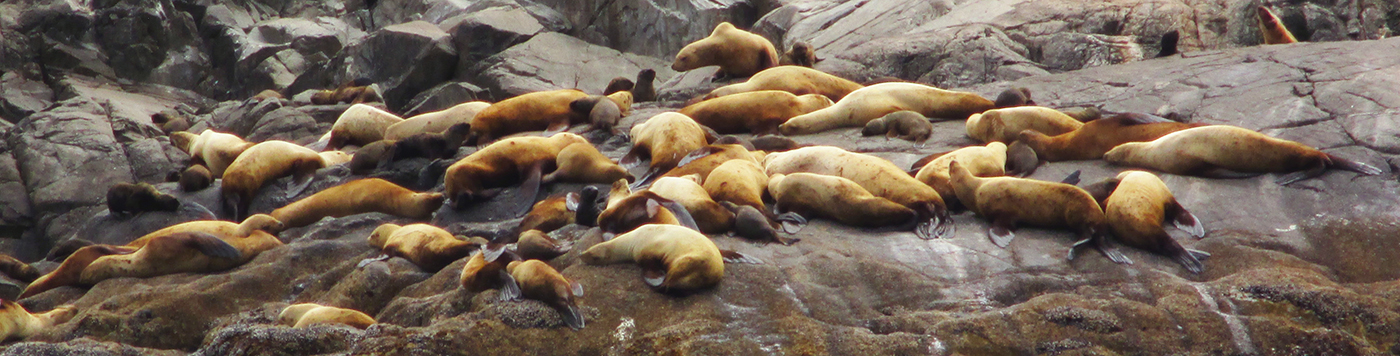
x: 263, y: 163
x: 759, y: 112
x: 836, y: 198
x: 665, y: 139
x: 359, y: 196
x: 671, y: 257
x: 551, y: 213
x: 505, y: 163
x: 434, y: 122
x: 308, y: 314
x: 183, y: 252
x: 1223, y: 151
x: 704, y: 161
x: 877, y: 175
x: 710, y: 216
x: 17, y: 269
x: 1096, y: 137
x: 1003, y: 125
x: 16, y: 323
x: 254, y: 225
x: 801, y: 54
x: 429, y: 247
x: 537, y: 111
x: 538, y: 281
x: 793, y: 79
x: 1008, y: 201
x: 738, y: 53
x: 906, y: 125
x: 360, y: 125
x: 1137, y: 208
x: 215, y: 150
x: 981, y: 161
x: 135, y: 198
x: 479, y: 275
x: 1272, y: 29
x: 642, y: 208
x: 874, y: 101
x: 582, y: 163
x: 536, y: 245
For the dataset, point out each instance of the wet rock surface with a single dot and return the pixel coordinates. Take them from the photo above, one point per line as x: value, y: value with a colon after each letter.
x: 1302, y: 269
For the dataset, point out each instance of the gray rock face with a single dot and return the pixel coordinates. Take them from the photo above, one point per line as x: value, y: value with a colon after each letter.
x: 551, y: 61
x: 650, y: 28
x: 404, y: 59
x: 480, y: 34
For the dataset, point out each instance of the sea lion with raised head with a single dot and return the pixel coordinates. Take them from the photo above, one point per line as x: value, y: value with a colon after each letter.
x: 537, y: 280
x: 738, y: 53
x: 263, y: 163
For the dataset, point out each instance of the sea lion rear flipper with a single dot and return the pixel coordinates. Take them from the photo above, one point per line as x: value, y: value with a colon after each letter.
x: 1189, y: 261
x: 529, y: 189
x: 1101, y: 242
x: 1353, y: 165
x: 1001, y: 232
x: 572, y: 317
x: 697, y: 154
x: 66, y: 248
x: 653, y: 276
x: 791, y: 222
x: 1021, y: 160
x: 367, y: 261
x: 1072, y: 178
x: 646, y: 179
x: 939, y: 224
x: 212, y: 246
x: 492, y: 251
x: 632, y: 157
x: 731, y: 256
x: 681, y: 214
x: 1198, y: 254
x: 298, y: 185
x: 919, y: 164
x: 571, y: 201
x: 510, y: 290
x: 1184, y: 220
x: 1102, y: 189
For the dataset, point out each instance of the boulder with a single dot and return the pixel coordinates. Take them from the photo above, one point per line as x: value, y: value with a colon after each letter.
x: 443, y: 96
x: 555, y: 61
x: 404, y: 59
x: 651, y: 28
x: 480, y: 34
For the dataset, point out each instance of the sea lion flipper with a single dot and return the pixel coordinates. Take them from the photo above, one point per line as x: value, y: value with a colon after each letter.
x: 367, y: 261
x: 1198, y: 254
x: 298, y: 185
x: 1185, y: 221
x: 1072, y: 178
x: 654, y: 277
x: 576, y: 288
x: 1001, y: 232
x: 1021, y: 160
x: 510, y: 290
x: 492, y: 251
x: 571, y: 201
x: 1189, y: 261
x: 681, y: 214
x: 919, y: 164
x: 632, y: 158
x: 791, y: 222
x: 1223, y: 173
x: 697, y: 154
x: 572, y: 317
x: 529, y: 189
x: 646, y: 179
x: 731, y: 256
x: 212, y: 246
x: 1353, y: 165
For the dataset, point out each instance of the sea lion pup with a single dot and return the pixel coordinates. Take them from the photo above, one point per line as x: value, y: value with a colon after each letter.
x: 1136, y: 210
x: 665, y: 139
x: 1168, y: 43
x: 429, y: 247
x: 618, y: 84
x: 774, y: 143
x: 1012, y: 97
x: 430, y: 145
x: 505, y: 163
x: 1223, y: 151
x: 537, y: 111
x: 801, y: 54
x: 16, y: 323
x: 1082, y: 113
x: 874, y: 101
x: 710, y: 216
x: 135, y: 198
x: 360, y: 196
x: 835, y: 198
x: 1271, y: 29
x: 645, y: 89
x: 753, y: 224
x: 170, y: 120
x: 1003, y: 125
x: 215, y: 150
x: 359, y: 90
x: 738, y: 53
x: 671, y: 257
x: 759, y: 112
x: 552, y: 213
x: 1097, y: 137
x: 642, y: 208
x: 906, y: 125
x: 17, y: 269
x: 265, y: 162
x: 195, y: 178
x: 536, y: 245
x: 983, y: 161
x: 360, y: 125
x: 582, y: 163
x: 537, y: 280
x: 308, y: 314
x: 371, y: 157
x: 434, y: 122
x: 877, y: 175
x: 1007, y: 201
x: 793, y: 79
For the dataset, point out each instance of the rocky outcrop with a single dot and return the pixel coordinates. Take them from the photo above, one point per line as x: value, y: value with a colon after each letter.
x: 538, y: 65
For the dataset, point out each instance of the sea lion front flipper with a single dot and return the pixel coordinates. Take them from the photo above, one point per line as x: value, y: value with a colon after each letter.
x: 576, y: 288
x: 571, y: 201
x: 1184, y: 220
x: 681, y: 214
x: 492, y: 251
x: 632, y: 158
x: 1002, y: 232
x: 791, y: 222
x: 572, y: 317
x: 529, y: 189
x: 731, y: 256
x: 1301, y: 175
x: 1102, y: 189
x: 1072, y: 178
x: 367, y: 261
x: 212, y: 246
x: 510, y: 290
x: 1189, y: 261
x: 645, y: 181
x: 697, y: 154
x: 1021, y: 160
x: 298, y: 185
x: 653, y: 277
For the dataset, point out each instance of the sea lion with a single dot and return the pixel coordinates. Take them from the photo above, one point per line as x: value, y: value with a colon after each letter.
x: 1223, y: 151
x: 1012, y: 97
x: 835, y: 198
x: 665, y: 139
x: 704, y: 161
x: 551, y: 213
x: 359, y: 90
x: 434, y: 122
x: 710, y: 216
x: 430, y: 145
x: 1097, y: 137
x: 645, y: 89
x: 195, y: 178
x: 739, y: 181
x: 215, y: 150
x: 759, y: 112
x: 17, y: 269
x: 308, y: 314
x: 135, y: 198
x: 877, y: 175
x: 70, y: 271
x: 479, y: 275
x: 1138, y: 206
x: 642, y: 208
x: 874, y: 101
x: 1271, y: 29
x: 537, y: 280
x: 618, y: 84
x: 671, y: 257
x: 1008, y: 201
x: 1082, y: 113
x: 537, y: 111
x: 801, y: 54
x: 16, y: 323
x: 536, y: 245
x: 588, y: 210
x: 258, y: 224
x: 332, y: 158
x: 267, y: 94
x: 262, y: 163
x: 359, y: 196
x: 774, y: 143
x: 429, y: 247
x: 981, y: 161
x: 797, y: 80
x: 1168, y: 43
x: 738, y: 53
x: 504, y: 163
x: 604, y: 112
x: 171, y: 120
x: 360, y: 125
x: 1002, y: 125
x: 184, y: 252
x: 753, y: 224
x: 906, y: 125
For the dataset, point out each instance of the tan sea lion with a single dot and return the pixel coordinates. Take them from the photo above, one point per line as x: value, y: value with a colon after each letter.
x: 642, y: 208
x: 17, y: 269
x: 551, y: 213
x: 215, y: 150
x: 710, y: 216
x: 1097, y: 137
x: 1008, y: 201
x: 797, y: 80
x: 835, y: 198
x: 359, y: 196
x: 981, y: 161
x: 195, y: 178
x: 258, y: 224
x: 16, y: 323
x: 582, y: 163
x: 1137, y: 208
x: 906, y: 125
x: 869, y: 103
x: 665, y: 139
x: 738, y: 53
x: 801, y: 54
x: 1272, y: 29
x: 537, y: 111
x: 739, y: 181
x: 1003, y: 125
x: 759, y: 112
x: 263, y: 163
x: 360, y: 125
x: 437, y: 121
x: 135, y: 198
x: 429, y: 247
x: 537, y: 280
x: 184, y: 252
x: 308, y: 314
x: 671, y: 257
x: 704, y: 161
x: 877, y: 175
x: 505, y: 163
x: 1223, y: 151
